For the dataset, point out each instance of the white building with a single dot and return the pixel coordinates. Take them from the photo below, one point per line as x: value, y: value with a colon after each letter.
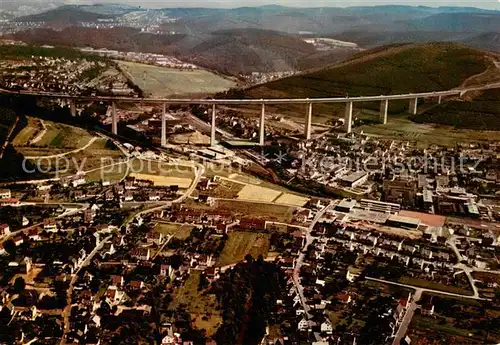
x: 5, y: 194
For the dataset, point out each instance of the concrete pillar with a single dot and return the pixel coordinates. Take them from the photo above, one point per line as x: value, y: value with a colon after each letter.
x: 348, y: 117
x: 114, y: 120
x: 164, y: 126
x: 412, y: 109
x: 262, y: 133
x: 440, y: 99
x: 307, y: 128
x: 384, y: 106
x: 72, y: 108
x: 212, y: 129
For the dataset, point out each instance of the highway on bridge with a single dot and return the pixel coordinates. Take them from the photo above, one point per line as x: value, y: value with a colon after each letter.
x: 452, y: 92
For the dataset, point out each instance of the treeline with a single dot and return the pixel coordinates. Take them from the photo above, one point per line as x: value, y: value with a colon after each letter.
x: 480, y: 114
x: 14, y: 52
x: 247, y: 295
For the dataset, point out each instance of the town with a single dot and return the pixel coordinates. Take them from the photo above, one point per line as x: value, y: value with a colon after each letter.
x: 325, y: 191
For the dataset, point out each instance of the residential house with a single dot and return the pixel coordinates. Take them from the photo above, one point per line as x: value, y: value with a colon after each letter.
x: 5, y: 194
x: 326, y: 327
x: 117, y: 280
x: 4, y: 229
x: 154, y: 237
x: 49, y: 225
x: 141, y: 254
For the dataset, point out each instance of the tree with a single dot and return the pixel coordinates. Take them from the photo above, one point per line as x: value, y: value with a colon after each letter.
x: 19, y: 285
x: 10, y: 247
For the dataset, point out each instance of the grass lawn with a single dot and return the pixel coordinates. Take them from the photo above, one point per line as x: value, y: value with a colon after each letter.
x: 111, y: 174
x: 63, y: 136
x: 99, y: 155
x: 401, y: 128
x: 420, y: 321
x: 241, y: 243
x: 28, y: 133
x: 167, y: 82
x: 257, y: 193
x: 434, y: 286
x: 180, y: 231
x: 198, y: 305
x: 140, y: 166
x: 278, y: 213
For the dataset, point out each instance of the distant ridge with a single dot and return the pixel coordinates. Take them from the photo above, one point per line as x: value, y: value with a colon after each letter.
x: 65, y: 15
x: 395, y: 69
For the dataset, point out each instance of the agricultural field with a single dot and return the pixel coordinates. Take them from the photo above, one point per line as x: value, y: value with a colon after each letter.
x: 43, y: 135
x: 291, y: 199
x: 113, y: 173
x: 180, y: 231
x: 241, y: 243
x: 277, y: 213
x: 96, y: 161
x: 167, y: 82
x: 257, y: 193
x: 227, y: 189
x: 165, y: 181
x: 401, y: 128
x: 147, y: 167
x: 200, y: 306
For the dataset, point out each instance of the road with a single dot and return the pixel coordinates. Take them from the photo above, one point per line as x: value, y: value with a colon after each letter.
x: 403, y: 327
x: 69, y: 293
x: 300, y: 259
x: 162, y: 247
x: 463, y: 267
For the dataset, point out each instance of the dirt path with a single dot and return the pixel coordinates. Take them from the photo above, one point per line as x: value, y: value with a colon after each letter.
x: 41, y: 134
x: 91, y: 141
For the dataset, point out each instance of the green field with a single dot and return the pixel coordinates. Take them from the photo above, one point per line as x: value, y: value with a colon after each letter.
x: 57, y: 136
x: 139, y: 166
x: 199, y: 305
x: 401, y: 128
x: 272, y: 212
x: 180, y: 231
x: 241, y: 243
x: 93, y: 160
x: 434, y: 285
x: 167, y: 82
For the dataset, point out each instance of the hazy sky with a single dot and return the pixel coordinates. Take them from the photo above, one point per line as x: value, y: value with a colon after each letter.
x: 490, y: 4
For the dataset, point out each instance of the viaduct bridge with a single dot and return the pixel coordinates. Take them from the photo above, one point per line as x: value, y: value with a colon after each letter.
x: 309, y: 102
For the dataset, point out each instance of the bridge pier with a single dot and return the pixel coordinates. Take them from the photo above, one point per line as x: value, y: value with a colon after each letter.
x: 348, y: 117
x: 72, y: 108
x: 384, y: 106
x: 412, y: 109
x: 440, y: 99
x: 307, y: 128
x: 164, y: 126
x: 262, y: 132
x: 114, y: 119
x: 212, y: 128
